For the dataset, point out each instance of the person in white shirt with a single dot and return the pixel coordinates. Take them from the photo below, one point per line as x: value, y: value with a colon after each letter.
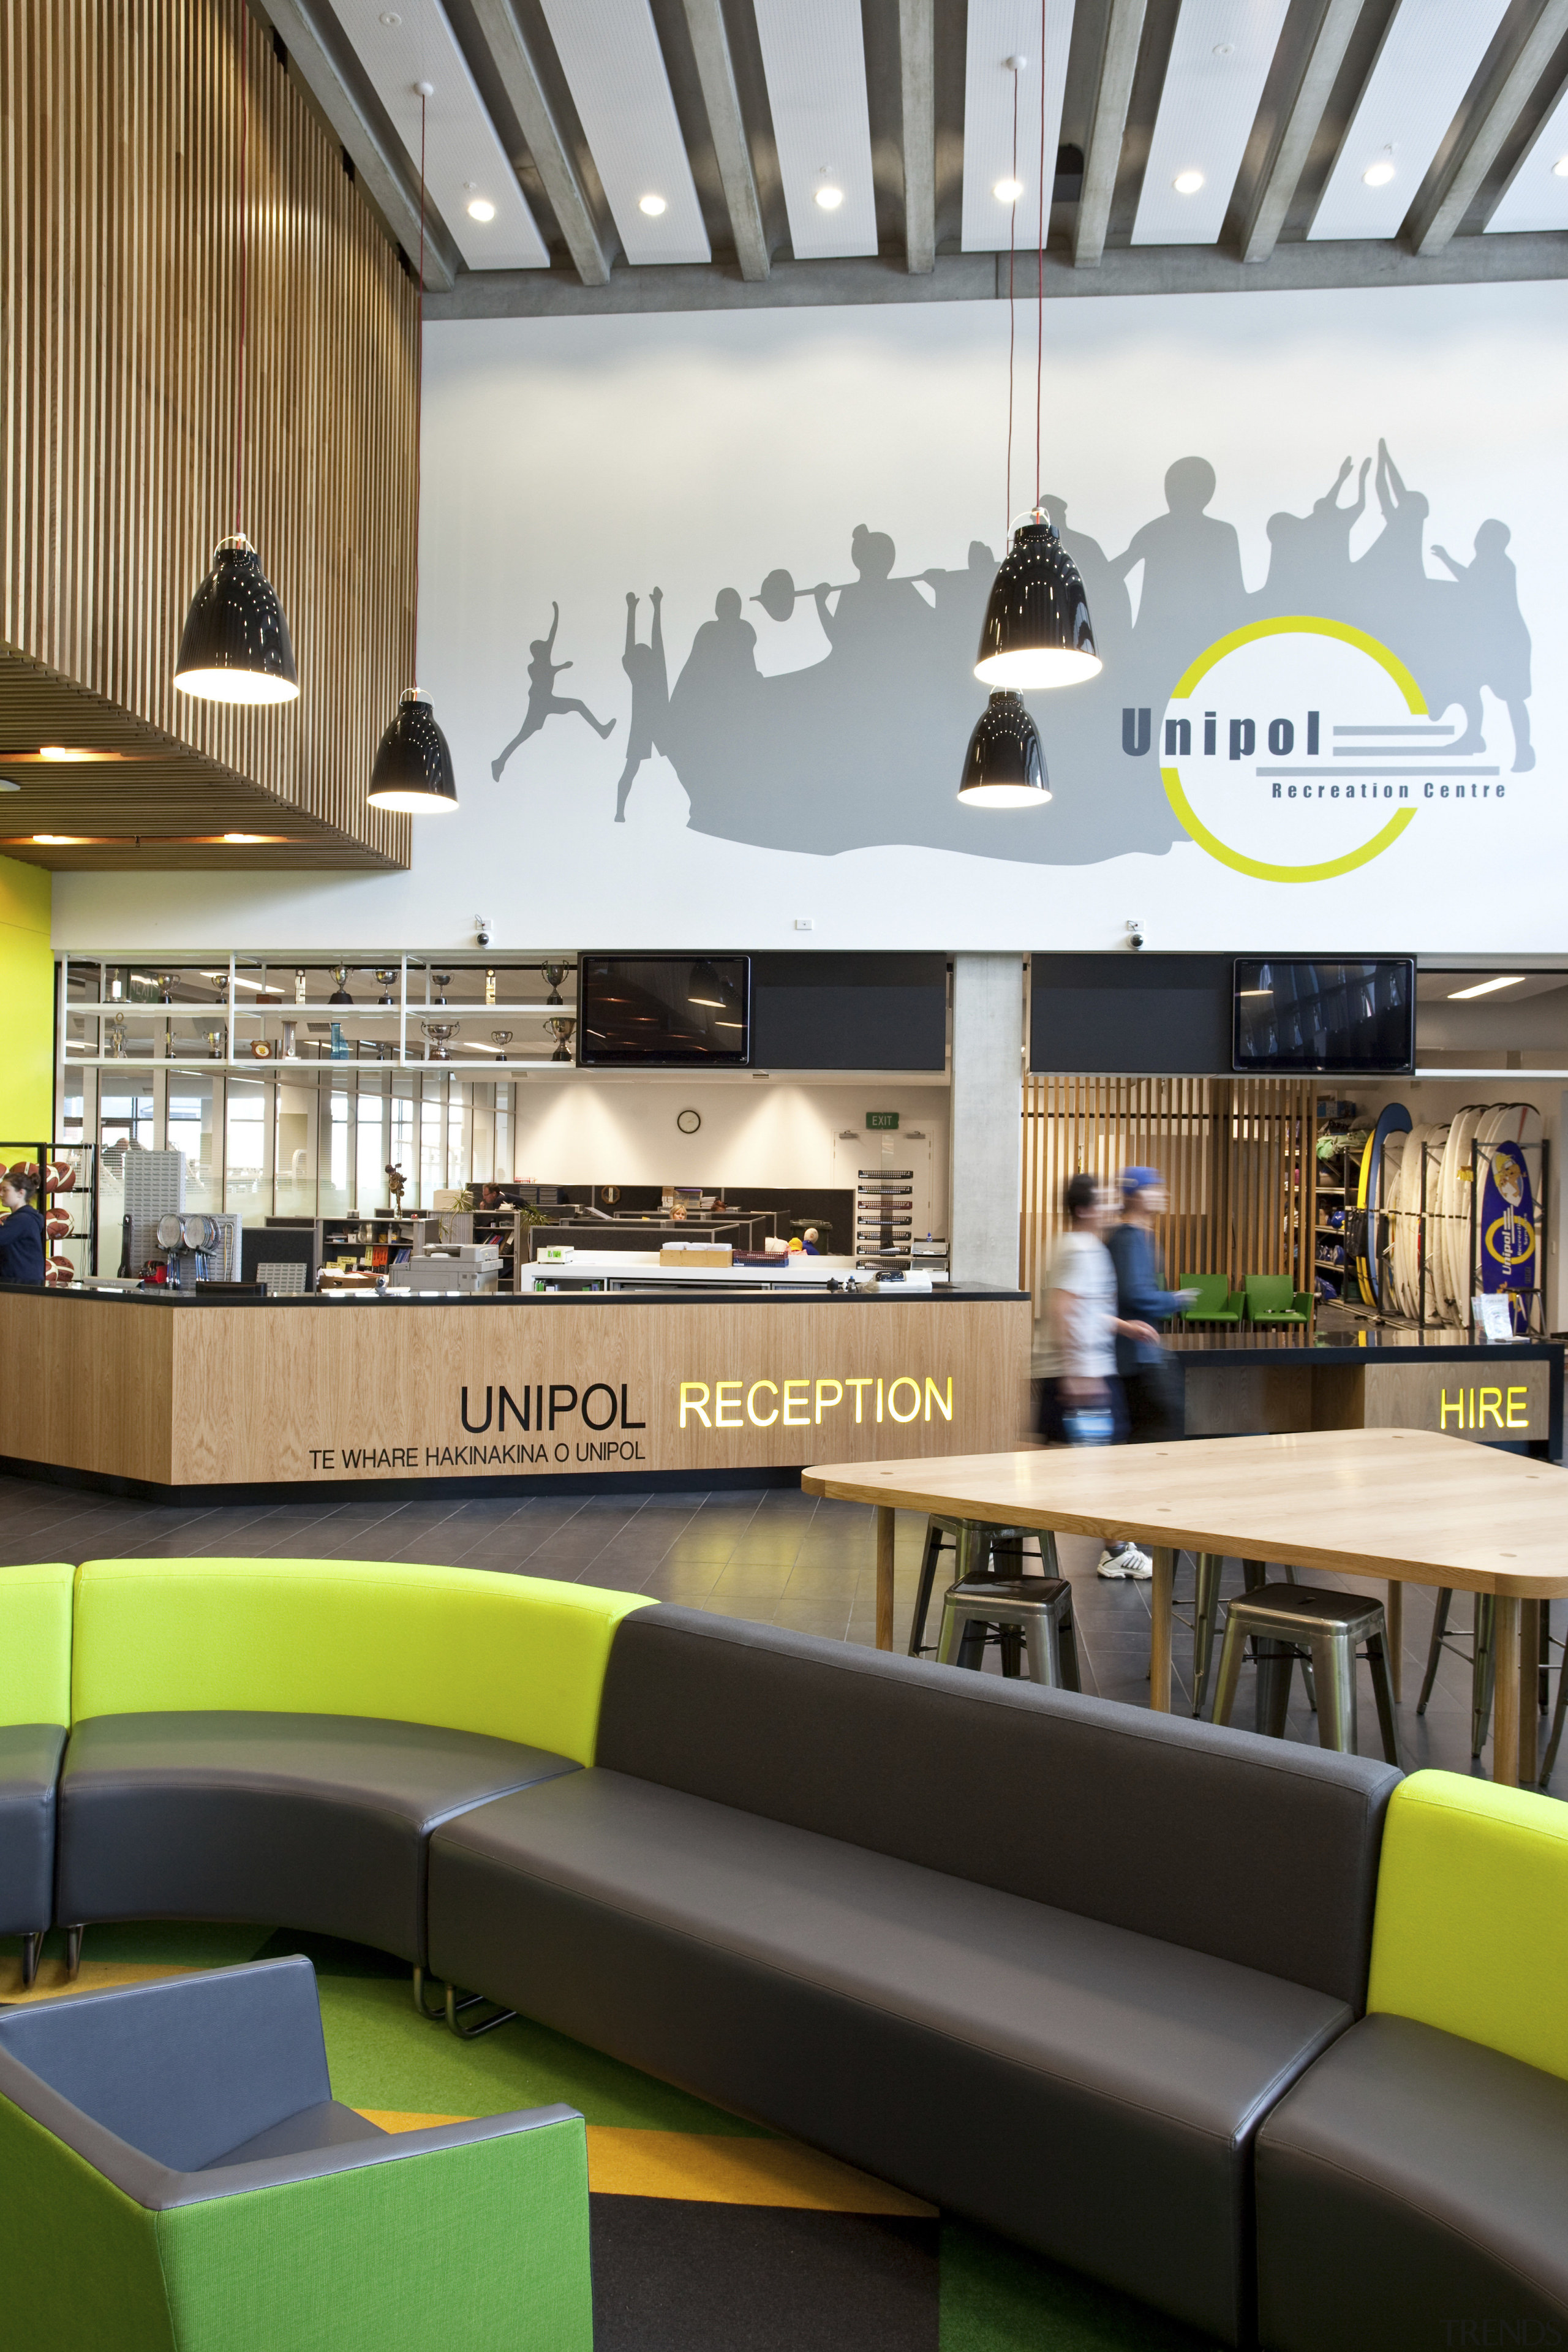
x: 1075, y: 1353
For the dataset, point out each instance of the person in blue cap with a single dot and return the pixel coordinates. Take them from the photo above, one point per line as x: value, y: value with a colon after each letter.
x: 1150, y: 1382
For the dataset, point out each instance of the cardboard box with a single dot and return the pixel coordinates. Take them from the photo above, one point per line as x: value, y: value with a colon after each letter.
x: 696, y: 1254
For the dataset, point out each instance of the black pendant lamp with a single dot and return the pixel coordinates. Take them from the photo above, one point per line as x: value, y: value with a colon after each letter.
x: 413, y: 767
x: 413, y: 770
x: 1036, y: 631
x: 234, y: 646
x: 1004, y: 766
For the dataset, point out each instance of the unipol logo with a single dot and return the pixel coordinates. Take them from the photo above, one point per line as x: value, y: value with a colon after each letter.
x: 1297, y: 749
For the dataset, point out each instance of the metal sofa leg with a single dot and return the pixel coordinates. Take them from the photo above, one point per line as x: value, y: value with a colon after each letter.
x: 31, y: 1946
x: 420, y: 2002
x: 471, y: 2001
x: 73, y: 1953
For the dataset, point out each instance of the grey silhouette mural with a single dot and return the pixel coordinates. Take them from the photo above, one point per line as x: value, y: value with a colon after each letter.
x: 861, y: 748
x: 543, y: 702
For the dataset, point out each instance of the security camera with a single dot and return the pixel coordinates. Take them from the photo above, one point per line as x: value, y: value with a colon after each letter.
x: 1134, y: 936
x: 482, y: 930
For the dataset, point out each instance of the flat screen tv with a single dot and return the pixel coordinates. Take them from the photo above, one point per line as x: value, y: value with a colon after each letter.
x: 664, y: 1011
x: 1355, y: 1019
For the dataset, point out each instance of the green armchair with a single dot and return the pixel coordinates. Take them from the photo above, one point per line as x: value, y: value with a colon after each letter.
x: 1216, y: 1302
x: 177, y: 2177
x: 1274, y: 1299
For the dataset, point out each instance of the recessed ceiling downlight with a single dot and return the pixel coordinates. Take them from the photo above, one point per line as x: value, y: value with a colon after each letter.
x: 1187, y: 183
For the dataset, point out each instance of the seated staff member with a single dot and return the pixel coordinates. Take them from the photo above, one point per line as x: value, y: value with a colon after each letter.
x: 23, y: 1252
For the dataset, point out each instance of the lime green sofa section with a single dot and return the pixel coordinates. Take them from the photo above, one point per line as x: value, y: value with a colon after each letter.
x: 481, y: 2248
x: 516, y: 1657
x: 1471, y: 1925
x: 36, y: 1644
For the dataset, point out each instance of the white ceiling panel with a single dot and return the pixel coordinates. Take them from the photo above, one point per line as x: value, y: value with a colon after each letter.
x: 615, y: 70
x: 1000, y: 29
x: 1536, y: 197
x: 813, y: 58
x: 1220, y: 62
x: 465, y: 162
x: 1426, y: 62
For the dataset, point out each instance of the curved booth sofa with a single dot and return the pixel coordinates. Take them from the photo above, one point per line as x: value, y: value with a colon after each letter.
x: 1097, y: 1977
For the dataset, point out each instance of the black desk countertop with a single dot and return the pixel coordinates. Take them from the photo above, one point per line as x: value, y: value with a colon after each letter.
x: 1344, y: 1339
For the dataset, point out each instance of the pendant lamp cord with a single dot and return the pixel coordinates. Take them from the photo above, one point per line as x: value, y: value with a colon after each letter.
x: 241, y: 24
x: 1011, y: 313
x: 419, y: 385
x: 1040, y: 297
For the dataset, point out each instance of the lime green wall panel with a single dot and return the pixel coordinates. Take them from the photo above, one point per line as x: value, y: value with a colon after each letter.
x: 27, y: 991
x: 521, y: 1657
x: 79, y: 2259
x: 1472, y: 1916
x: 35, y: 1644
x: 482, y: 2248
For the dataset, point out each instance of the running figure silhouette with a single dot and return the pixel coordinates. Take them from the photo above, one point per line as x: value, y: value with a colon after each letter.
x: 543, y: 702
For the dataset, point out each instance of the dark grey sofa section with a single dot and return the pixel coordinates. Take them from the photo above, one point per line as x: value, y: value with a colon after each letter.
x: 1412, y: 2192
x: 1042, y: 1960
x: 29, y: 1768
x: 321, y: 1822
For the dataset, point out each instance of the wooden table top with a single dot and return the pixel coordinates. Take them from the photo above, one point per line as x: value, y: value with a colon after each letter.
x: 1399, y: 1503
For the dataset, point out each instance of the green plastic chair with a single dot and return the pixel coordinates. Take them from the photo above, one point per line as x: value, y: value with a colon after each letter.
x: 1216, y: 1302
x: 1272, y: 1298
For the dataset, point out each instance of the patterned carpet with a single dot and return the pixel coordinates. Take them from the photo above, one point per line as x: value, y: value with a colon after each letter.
x: 710, y: 2235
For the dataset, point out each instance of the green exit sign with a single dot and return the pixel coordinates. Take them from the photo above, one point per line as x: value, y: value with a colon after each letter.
x: 881, y: 1118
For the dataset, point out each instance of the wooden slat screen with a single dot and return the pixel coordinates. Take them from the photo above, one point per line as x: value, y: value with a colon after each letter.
x: 118, y: 327
x: 1240, y: 1157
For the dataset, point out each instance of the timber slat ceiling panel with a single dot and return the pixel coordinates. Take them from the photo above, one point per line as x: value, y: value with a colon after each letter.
x: 119, y: 162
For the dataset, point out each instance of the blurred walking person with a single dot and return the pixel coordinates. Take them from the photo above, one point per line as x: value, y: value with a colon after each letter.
x: 1150, y: 1382
x: 1076, y: 1343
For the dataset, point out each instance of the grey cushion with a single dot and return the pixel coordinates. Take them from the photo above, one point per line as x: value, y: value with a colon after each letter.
x: 1412, y: 2191
x: 1249, y: 1848
x: 1086, y: 2089
x: 314, y: 1820
x: 205, y: 2086
x: 29, y: 1767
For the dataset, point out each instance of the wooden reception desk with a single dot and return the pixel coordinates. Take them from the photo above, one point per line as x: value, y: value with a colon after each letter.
x: 195, y: 1395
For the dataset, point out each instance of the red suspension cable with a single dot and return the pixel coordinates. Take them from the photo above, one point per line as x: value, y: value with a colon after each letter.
x: 1011, y: 313
x: 240, y: 69
x: 1041, y: 296
x: 419, y: 385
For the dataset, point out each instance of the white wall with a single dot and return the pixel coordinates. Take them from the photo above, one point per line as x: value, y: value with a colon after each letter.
x: 577, y: 460
x: 754, y: 1131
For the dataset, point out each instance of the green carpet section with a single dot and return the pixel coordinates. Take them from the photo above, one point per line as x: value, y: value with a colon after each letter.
x: 383, y: 2056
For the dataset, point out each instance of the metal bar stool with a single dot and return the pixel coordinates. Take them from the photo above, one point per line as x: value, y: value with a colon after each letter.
x: 1483, y: 1660
x: 1209, y: 1566
x: 1039, y: 1608
x: 1327, y: 1627
x: 979, y: 1549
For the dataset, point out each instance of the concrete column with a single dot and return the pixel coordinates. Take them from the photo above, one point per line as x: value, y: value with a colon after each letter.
x: 987, y: 1117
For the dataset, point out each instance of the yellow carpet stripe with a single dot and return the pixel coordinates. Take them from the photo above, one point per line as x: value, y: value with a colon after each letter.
x: 711, y: 2168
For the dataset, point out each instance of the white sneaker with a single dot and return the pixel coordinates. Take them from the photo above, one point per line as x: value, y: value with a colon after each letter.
x: 1125, y: 1559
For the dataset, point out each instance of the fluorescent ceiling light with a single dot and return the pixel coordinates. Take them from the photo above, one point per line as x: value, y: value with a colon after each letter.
x: 59, y: 840
x: 67, y: 751
x: 1485, y: 987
